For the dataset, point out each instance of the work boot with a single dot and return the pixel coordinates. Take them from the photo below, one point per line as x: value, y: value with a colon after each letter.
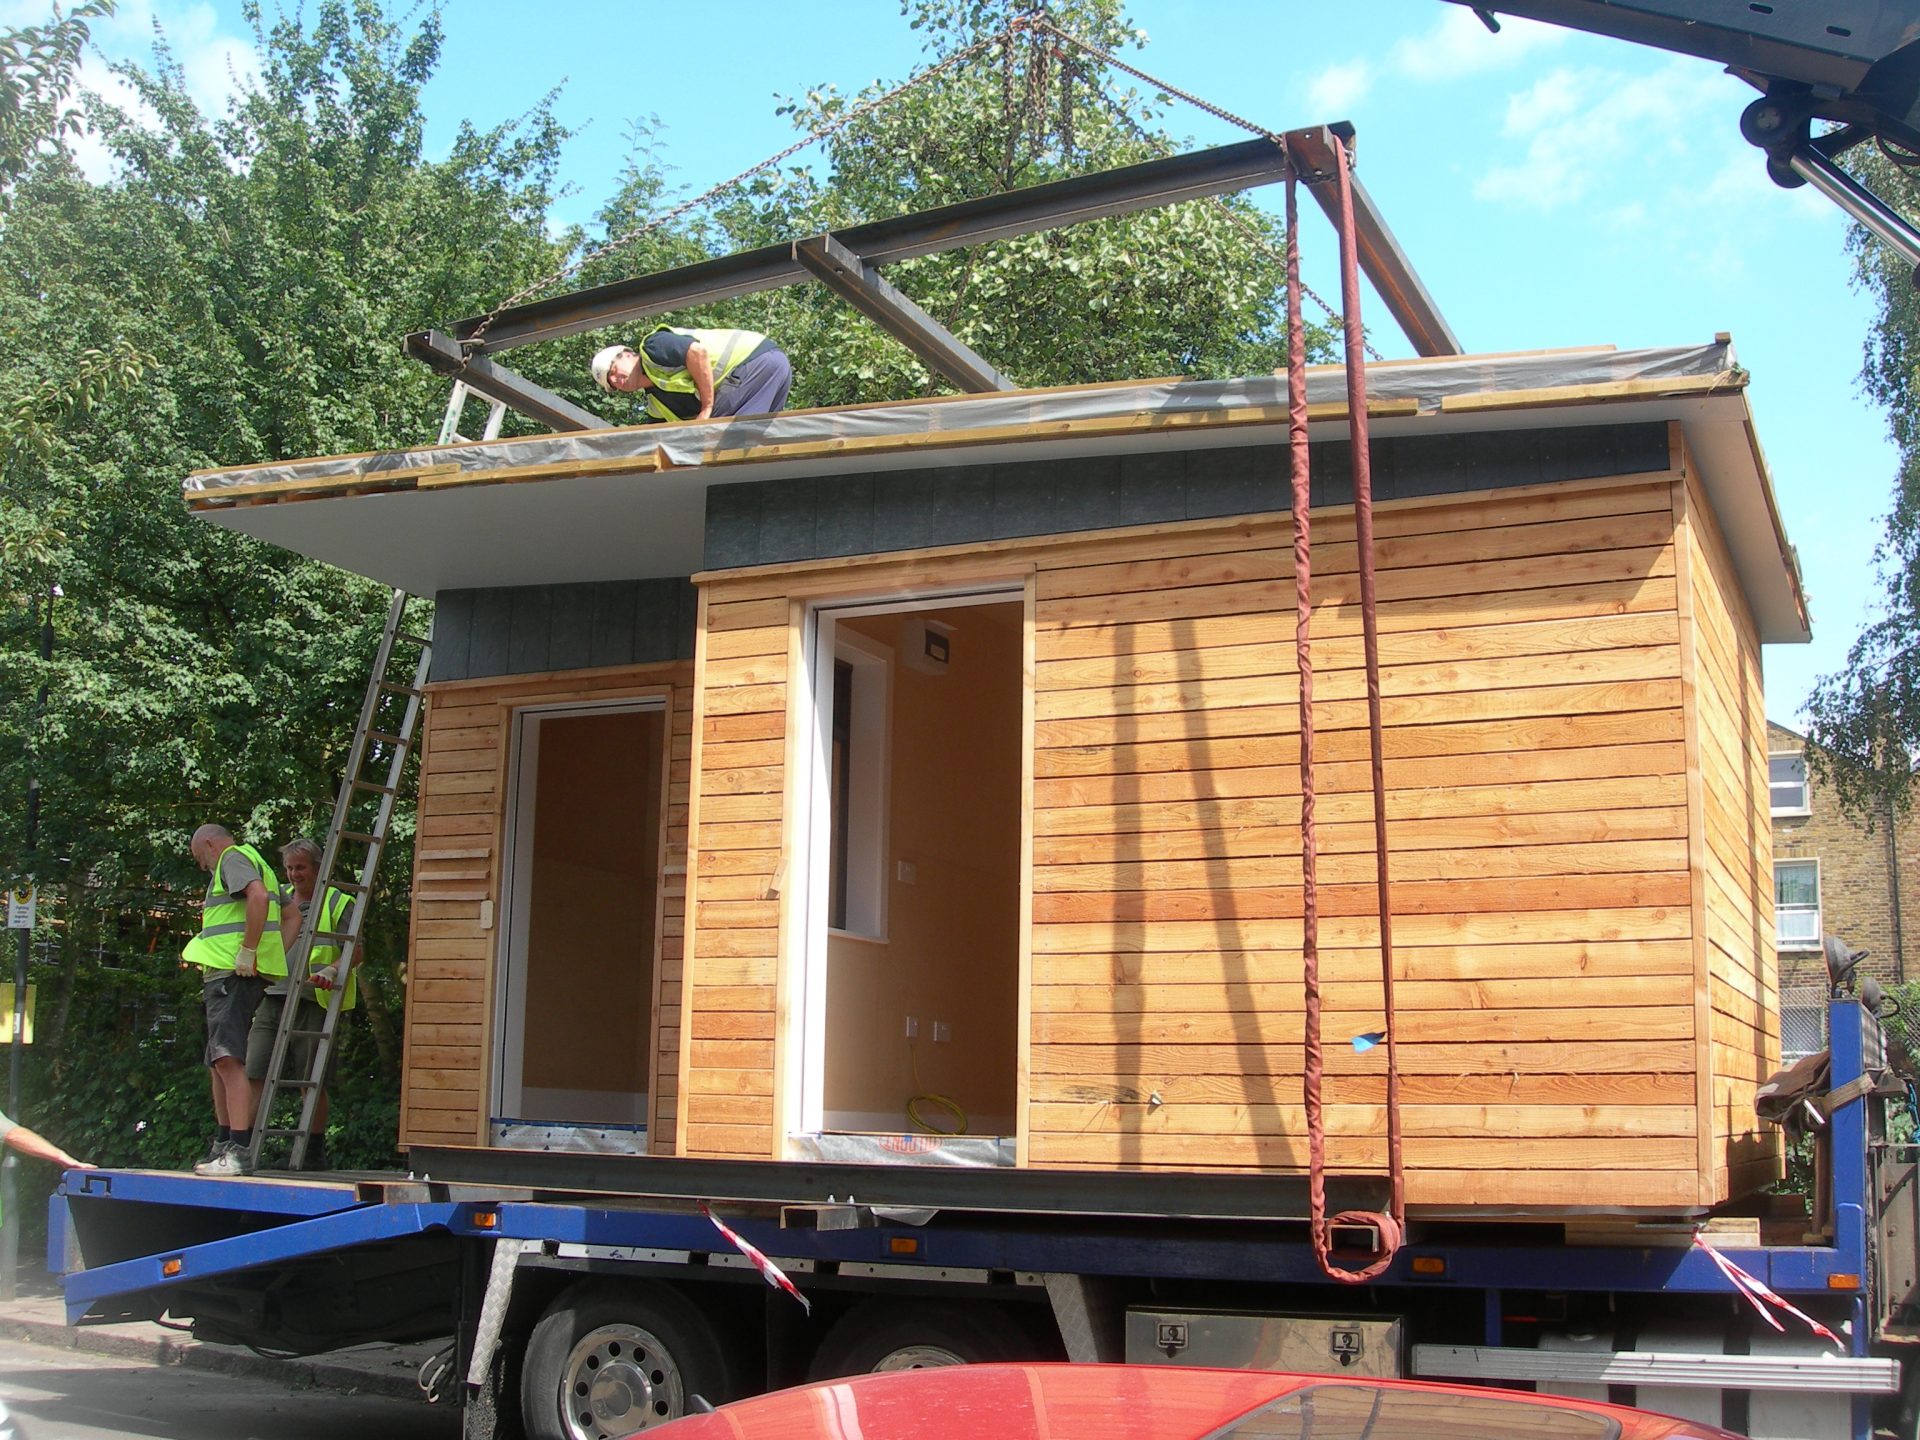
x: 316, y: 1156
x: 229, y: 1163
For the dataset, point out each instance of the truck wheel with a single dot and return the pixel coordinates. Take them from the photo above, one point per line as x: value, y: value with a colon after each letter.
x: 879, y: 1335
x: 612, y: 1358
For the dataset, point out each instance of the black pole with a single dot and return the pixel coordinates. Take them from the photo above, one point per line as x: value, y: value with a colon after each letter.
x: 9, y: 1168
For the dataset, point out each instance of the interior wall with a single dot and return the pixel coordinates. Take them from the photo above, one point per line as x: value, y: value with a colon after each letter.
x: 952, y: 947
x: 593, y: 886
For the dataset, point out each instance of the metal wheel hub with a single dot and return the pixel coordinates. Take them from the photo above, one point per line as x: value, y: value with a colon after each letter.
x: 918, y: 1357
x: 620, y: 1379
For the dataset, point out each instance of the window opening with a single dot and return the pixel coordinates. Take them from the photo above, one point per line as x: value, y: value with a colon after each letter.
x: 1787, y: 784
x: 1796, y: 904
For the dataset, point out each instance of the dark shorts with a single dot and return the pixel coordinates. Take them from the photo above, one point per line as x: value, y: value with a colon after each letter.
x: 231, y: 1000
x: 266, y: 1021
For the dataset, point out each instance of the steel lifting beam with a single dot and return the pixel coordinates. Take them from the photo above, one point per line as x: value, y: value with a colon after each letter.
x: 496, y: 382
x: 1153, y: 183
x: 861, y: 286
x: 1382, y: 260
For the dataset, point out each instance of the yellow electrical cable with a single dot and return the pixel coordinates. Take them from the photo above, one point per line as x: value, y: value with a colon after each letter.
x: 943, y: 1102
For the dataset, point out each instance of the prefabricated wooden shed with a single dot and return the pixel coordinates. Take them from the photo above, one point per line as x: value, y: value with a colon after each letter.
x: 787, y: 778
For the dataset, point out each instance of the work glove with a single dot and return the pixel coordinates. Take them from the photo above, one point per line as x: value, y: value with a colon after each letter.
x: 246, y: 963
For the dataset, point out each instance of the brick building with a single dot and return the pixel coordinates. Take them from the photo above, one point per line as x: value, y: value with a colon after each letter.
x: 1834, y: 875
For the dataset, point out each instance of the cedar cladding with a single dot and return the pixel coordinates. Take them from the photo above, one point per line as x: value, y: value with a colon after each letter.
x: 1581, y: 933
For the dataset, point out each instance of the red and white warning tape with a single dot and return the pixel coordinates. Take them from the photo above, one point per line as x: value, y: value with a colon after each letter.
x: 775, y: 1276
x: 1757, y: 1290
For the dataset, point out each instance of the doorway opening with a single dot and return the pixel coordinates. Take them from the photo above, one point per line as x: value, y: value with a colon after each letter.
x: 911, y: 947
x: 575, y: 1000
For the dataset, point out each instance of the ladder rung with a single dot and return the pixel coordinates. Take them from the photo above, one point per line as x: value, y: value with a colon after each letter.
x: 363, y: 839
x: 377, y: 789
x: 388, y: 685
x: 383, y: 735
x: 411, y: 639
x: 333, y: 935
x: 349, y: 885
x: 306, y: 1035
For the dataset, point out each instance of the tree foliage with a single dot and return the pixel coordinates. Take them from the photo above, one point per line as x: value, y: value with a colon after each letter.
x: 262, y: 264
x: 37, y: 66
x: 1865, y: 718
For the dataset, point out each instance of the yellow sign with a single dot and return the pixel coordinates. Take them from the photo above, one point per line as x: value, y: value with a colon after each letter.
x: 6, y: 1014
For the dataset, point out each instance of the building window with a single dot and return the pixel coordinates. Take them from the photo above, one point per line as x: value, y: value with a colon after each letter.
x: 1787, y: 784
x: 1796, y: 904
x: 1803, y: 1022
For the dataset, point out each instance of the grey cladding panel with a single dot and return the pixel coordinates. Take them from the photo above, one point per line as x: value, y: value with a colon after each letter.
x: 530, y: 629
x: 772, y: 522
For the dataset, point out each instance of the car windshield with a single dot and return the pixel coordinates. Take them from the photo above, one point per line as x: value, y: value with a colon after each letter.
x: 1360, y: 1412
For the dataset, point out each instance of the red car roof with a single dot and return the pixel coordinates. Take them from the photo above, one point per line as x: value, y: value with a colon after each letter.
x: 1154, y: 1402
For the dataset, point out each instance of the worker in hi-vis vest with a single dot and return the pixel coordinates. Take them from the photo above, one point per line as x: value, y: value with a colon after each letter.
x: 238, y: 951
x: 301, y: 861
x: 699, y: 374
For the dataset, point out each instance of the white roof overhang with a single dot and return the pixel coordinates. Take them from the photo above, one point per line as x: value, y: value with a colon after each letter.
x: 623, y: 504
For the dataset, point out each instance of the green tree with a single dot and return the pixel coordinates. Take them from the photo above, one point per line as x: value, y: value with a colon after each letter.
x: 1864, y: 719
x: 37, y: 67
x: 266, y: 260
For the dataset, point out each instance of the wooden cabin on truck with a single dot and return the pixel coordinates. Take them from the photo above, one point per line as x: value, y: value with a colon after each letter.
x: 793, y: 785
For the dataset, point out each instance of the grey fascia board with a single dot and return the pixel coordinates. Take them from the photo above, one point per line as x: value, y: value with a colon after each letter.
x: 861, y: 286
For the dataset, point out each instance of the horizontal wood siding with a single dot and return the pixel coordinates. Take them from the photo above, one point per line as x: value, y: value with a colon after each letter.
x: 1538, y: 800
x: 456, y: 896
x: 739, y: 754
x: 1538, y: 816
x: 1738, y: 950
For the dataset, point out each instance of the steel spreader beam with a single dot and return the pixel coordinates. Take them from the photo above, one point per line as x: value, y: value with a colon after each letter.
x: 1382, y: 260
x: 1152, y: 183
x: 496, y: 382
x: 863, y: 287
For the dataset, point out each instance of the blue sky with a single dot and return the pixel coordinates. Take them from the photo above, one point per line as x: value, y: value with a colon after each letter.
x: 1552, y: 189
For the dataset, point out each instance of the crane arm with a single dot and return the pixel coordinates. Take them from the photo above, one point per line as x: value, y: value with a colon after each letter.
x: 1850, y: 64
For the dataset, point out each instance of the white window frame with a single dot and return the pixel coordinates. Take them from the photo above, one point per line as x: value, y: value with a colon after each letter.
x: 803, y: 1103
x: 1805, y: 807
x: 1798, y: 944
x: 870, y: 787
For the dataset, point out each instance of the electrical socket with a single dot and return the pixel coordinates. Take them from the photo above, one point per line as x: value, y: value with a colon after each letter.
x: 913, y: 1027
x: 942, y: 1032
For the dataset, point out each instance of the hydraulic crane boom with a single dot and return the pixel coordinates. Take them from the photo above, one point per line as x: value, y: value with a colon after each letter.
x: 1854, y: 64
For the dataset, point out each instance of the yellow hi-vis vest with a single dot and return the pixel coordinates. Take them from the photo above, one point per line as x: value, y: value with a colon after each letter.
x: 725, y: 350
x: 333, y: 920
x: 223, y: 922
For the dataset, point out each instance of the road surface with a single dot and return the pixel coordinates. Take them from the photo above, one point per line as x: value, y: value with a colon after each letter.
x: 70, y: 1395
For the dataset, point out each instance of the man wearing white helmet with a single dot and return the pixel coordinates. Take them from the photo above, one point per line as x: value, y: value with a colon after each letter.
x: 699, y: 374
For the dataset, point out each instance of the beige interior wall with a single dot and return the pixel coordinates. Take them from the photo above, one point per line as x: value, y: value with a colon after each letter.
x: 590, y: 936
x: 952, y: 947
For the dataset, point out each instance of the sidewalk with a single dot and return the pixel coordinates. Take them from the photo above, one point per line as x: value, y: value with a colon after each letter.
x: 40, y: 1319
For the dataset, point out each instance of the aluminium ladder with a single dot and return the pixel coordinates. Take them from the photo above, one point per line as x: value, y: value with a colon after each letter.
x: 362, y: 816
x: 387, y: 742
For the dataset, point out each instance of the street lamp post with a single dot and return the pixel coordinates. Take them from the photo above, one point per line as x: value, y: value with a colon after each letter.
x: 10, y: 1166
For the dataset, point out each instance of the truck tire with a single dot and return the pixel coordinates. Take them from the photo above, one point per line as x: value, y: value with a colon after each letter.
x: 879, y: 1335
x: 610, y: 1358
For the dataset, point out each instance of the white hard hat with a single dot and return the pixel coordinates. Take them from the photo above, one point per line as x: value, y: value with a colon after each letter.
x: 603, y: 366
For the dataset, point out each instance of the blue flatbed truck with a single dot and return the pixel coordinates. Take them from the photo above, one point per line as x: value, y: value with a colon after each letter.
x: 592, y: 1295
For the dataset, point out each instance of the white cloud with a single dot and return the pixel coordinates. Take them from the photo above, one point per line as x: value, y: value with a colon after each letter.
x: 1456, y: 45
x: 1580, y: 125
x: 215, y: 65
x: 1334, y: 92
x: 1459, y: 44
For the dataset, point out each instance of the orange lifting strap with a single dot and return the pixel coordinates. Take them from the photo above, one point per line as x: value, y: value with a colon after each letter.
x: 1347, y: 1266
